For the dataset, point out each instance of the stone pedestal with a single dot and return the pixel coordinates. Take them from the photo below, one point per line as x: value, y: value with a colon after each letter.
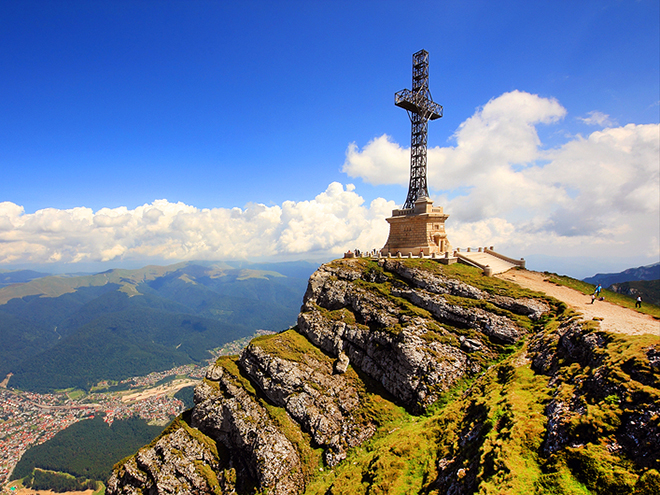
x: 417, y: 230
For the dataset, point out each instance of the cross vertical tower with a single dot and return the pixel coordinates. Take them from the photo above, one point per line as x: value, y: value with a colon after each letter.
x: 421, y: 108
x: 418, y: 229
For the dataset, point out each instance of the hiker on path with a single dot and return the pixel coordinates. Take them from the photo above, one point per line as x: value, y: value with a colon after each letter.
x: 598, y: 289
x: 638, y: 302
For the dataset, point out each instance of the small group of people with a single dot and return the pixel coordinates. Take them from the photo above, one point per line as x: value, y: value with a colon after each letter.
x: 599, y: 288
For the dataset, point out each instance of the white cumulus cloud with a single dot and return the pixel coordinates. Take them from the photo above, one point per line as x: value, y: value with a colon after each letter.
x: 333, y: 222
x: 501, y: 185
x: 592, y: 195
x: 597, y: 118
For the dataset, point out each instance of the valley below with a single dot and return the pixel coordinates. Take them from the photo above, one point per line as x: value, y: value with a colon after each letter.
x: 407, y: 376
x: 28, y: 419
x: 401, y: 376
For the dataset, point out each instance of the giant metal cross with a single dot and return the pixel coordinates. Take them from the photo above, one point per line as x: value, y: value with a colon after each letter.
x: 421, y: 108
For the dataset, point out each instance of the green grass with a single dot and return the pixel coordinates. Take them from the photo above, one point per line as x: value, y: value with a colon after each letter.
x: 76, y: 394
x: 290, y: 345
x: 403, y: 457
x: 484, y: 435
x: 395, y: 461
x: 504, y: 411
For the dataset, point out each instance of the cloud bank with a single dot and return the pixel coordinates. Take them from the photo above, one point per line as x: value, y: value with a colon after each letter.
x: 595, y: 195
x: 333, y: 222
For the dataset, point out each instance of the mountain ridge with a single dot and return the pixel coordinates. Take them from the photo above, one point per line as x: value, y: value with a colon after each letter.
x: 56, y: 323
x: 413, y: 377
x: 646, y: 272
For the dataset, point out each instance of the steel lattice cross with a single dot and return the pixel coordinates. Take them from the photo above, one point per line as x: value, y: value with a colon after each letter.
x: 421, y: 108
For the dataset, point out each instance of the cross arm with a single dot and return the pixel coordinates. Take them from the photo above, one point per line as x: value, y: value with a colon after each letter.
x: 418, y: 103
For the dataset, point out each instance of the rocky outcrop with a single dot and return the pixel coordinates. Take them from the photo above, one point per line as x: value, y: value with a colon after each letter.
x: 371, y: 337
x: 321, y: 402
x: 226, y: 412
x: 439, y: 284
x: 173, y: 464
x: 492, y: 325
x: 596, y: 394
x: 406, y: 347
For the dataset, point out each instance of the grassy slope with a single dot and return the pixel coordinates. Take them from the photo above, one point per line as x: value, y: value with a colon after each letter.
x: 505, y: 459
x: 648, y: 289
x: 486, y: 435
x: 504, y: 409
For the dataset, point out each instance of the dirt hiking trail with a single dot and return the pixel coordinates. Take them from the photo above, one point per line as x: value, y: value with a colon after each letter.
x: 614, y: 318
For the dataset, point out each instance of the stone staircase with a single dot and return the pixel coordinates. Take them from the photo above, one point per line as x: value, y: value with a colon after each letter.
x: 482, y: 259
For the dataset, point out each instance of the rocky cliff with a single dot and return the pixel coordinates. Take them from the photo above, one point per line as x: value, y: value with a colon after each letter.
x: 408, y: 376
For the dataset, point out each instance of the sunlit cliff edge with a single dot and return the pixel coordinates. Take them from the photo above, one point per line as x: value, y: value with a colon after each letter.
x: 407, y: 376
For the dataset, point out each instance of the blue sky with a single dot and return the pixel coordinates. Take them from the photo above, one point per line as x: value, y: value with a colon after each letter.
x: 256, y: 109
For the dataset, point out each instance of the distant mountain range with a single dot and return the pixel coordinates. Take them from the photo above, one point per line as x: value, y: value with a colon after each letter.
x: 648, y: 272
x: 58, y: 332
x: 8, y: 277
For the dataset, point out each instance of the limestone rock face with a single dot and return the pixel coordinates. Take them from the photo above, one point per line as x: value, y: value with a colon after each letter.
x: 436, y: 284
x: 599, y: 386
x: 406, y: 350
x: 229, y: 415
x: 263, y: 421
x: 322, y: 403
x: 171, y: 465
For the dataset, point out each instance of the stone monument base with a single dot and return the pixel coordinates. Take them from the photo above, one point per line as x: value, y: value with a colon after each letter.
x: 417, y: 230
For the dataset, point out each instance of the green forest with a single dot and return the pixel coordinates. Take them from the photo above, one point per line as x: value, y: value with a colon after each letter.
x: 72, y: 332
x: 87, y: 449
x: 57, y: 482
x: 186, y: 395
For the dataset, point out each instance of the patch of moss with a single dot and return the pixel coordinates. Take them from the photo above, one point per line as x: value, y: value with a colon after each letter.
x: 290, y: 345
x: 558, y: 479
x: 443, y: 338
x: 648, y: 483
x: 205, y: 471
x: 344, y: 315
x: 397, y: 460
x: 599, y: 470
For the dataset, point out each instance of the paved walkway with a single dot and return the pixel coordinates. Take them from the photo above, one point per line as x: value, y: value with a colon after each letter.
x: 498, y: 265
x: 615, y: 318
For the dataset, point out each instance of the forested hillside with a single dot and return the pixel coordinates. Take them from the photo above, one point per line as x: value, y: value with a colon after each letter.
x: 88, y: 449
x: 648, y: 272
x: 62, y: 332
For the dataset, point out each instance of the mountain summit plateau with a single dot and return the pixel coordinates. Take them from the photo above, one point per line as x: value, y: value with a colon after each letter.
x: 408, y: 376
